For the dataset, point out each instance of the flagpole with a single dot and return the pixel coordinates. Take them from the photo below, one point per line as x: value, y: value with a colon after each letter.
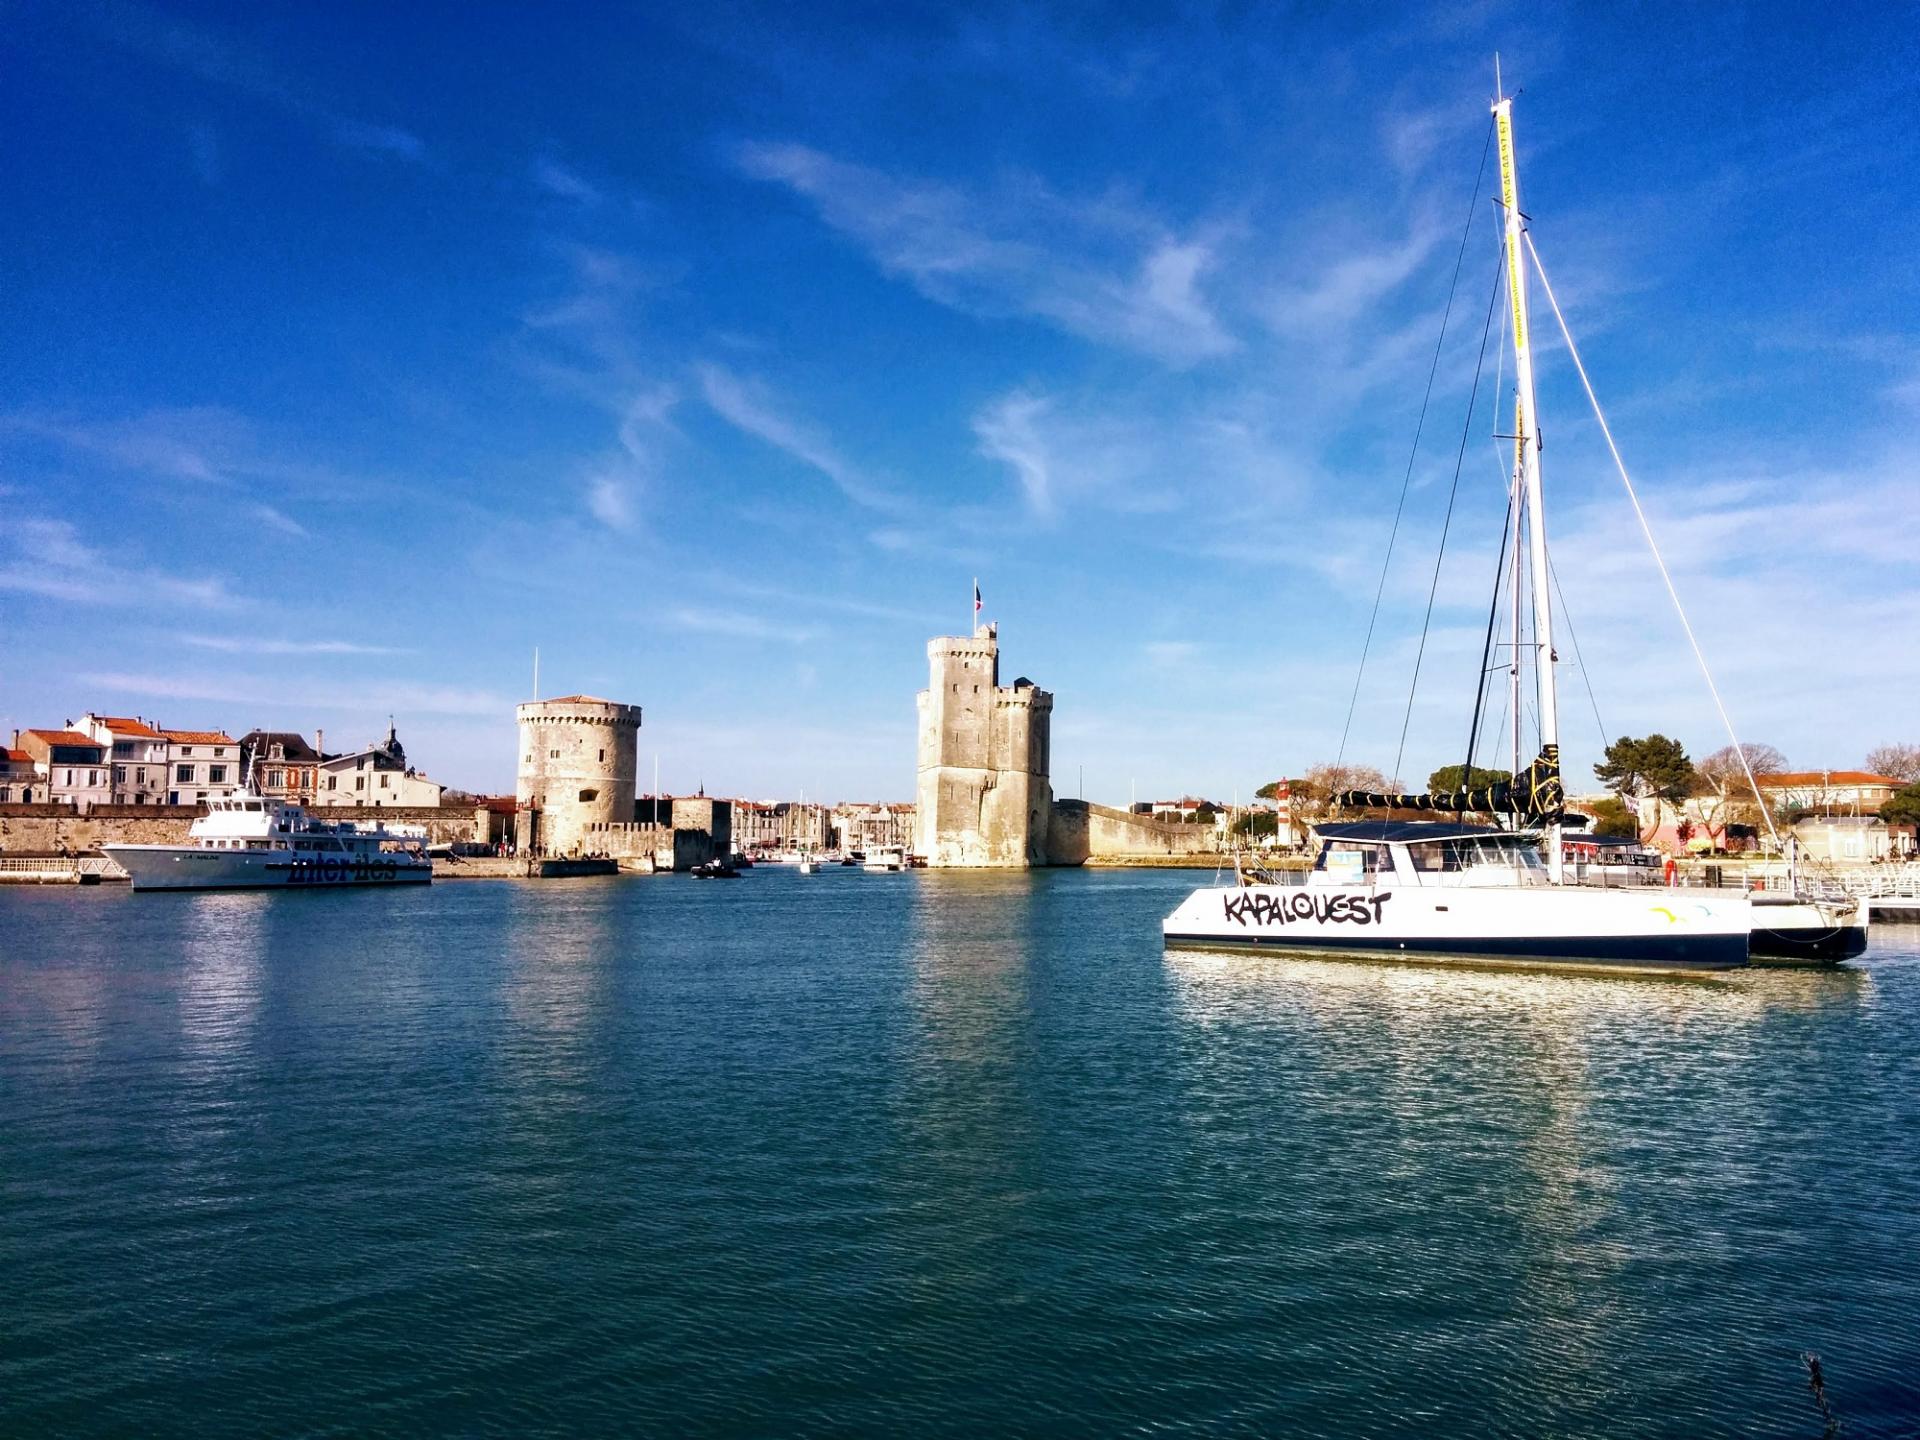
x: 973, y: 610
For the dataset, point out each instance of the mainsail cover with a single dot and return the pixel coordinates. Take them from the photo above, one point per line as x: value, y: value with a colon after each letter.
x: 1533, y: 794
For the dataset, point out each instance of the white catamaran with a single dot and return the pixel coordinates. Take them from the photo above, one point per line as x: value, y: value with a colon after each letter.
x: 1448, y: 892
x: 248, y: 842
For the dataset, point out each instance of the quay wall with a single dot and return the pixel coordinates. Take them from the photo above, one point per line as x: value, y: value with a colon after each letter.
x: 56, y: 829
x: 1082, y: 833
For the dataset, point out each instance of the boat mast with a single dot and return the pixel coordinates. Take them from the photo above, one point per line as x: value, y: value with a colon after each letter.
x: 1529, y: 443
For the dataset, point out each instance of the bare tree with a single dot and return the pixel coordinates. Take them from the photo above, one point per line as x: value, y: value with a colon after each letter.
x: 1313, y: 796
x: 1724, y: 796
x: 1898, y: 762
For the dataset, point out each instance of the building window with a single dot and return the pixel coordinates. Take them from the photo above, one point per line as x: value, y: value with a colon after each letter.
x: 183, y: 773
x: 5, y: 794
x: 333, y: 782
x: 186, y: 749
x: 140, y: 774
x: 119, y: 774
x: 276, y: 778
x: 218, y: 751
x: 589, y: 794
x: 123, y: 749
x: 553, y: 754
x: 69, y: 779
x: 383, y: 782
x: 199, y: 796
x: 359, y: 782
x: 216, y: 774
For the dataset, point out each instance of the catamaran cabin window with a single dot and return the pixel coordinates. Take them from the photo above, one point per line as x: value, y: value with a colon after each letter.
x: 1373, y: 858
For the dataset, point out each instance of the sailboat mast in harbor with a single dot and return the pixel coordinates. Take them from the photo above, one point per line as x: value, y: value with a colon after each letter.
x: 1528, y: 443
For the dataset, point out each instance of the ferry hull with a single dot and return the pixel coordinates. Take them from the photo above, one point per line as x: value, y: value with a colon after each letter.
x: 1545, y: 926
x: 171, y: 867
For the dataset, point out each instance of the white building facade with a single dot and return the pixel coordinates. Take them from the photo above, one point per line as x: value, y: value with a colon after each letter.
x: 136, y: 753
x: 201, y: 765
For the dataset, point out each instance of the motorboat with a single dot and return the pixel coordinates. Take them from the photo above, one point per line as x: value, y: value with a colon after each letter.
x: 247, y: 841
x: 886, y: 860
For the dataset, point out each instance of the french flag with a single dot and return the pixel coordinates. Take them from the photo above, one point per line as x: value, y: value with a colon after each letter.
x: 976, y: 599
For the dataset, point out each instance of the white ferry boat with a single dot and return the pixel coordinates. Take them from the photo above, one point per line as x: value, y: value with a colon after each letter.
x: 250, y: 842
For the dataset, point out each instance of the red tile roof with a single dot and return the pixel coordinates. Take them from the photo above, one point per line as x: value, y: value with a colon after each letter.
x: 128, y: 725
x: 62, y: 737
x: 199, y: 737
x: 19, y: 757
x: 1798, y: 779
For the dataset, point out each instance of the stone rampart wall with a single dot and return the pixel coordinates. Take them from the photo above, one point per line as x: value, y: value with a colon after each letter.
x: 1082, y: 833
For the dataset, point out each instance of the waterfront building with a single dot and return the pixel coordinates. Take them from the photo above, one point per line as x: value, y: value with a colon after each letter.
x: 1846, y: 839
x: 72, y: 767
x: 201, y: 765
x: 984, y: 797
x: 137, y: 754
x: 377, y: 775
x: 874, y: 827
x: 577, y: 768
x: 19, y: 779
x: 1829, y: 792
x: 282, y: 764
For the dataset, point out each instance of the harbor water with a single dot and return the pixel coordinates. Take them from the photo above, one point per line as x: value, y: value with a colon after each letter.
x: 928, y: 1154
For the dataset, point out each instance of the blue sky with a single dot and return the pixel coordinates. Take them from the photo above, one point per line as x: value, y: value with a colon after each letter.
x: 352, y: 352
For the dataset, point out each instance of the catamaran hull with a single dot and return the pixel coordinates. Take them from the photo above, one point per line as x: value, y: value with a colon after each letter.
x: 169, y: 867
x: 1807, y: 932
x: 1540, y: 927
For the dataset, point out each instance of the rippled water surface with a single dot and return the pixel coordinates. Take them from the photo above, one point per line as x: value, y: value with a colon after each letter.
x: 924, y: 1154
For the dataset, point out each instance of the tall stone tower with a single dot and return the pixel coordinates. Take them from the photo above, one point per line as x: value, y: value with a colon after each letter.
x: 984, y: 797
x: 577, y: 768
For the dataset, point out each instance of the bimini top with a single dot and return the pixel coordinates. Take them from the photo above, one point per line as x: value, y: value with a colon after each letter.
x: 1406, y: 831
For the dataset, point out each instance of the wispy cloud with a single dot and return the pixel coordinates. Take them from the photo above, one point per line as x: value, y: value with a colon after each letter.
x: 737, y: 625
x: 275, y: 695
x: 616, y: 482
x: 48, y: 558
x: 224, y: 60
x: 1099, y: 269
x: 265, y: 645
x: 382, y: 140
x: 556, y: 179
x: 278, y: 520
x: 748, y: 405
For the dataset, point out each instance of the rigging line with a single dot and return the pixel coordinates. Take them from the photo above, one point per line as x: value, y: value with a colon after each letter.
x: 1459, y: 461
x: 1406, y: 483
x: 1647, y: 530
x: 1574, y: 640
x: 1486, y: 650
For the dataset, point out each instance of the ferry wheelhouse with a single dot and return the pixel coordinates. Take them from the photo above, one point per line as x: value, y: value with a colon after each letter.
x: 249, y: 841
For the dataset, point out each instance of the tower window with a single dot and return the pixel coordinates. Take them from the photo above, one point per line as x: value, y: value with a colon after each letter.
x: 589, y: 794
x: 603, y: 754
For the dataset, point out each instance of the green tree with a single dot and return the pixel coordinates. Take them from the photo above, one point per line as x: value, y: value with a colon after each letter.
x: 1903, y: 808
x: 1451, y: 777
x: 1269, y: 791
x: 1203, y: 813
x: 1257, y: 822
x: 1654, y: 766
x: 1611, y: 817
